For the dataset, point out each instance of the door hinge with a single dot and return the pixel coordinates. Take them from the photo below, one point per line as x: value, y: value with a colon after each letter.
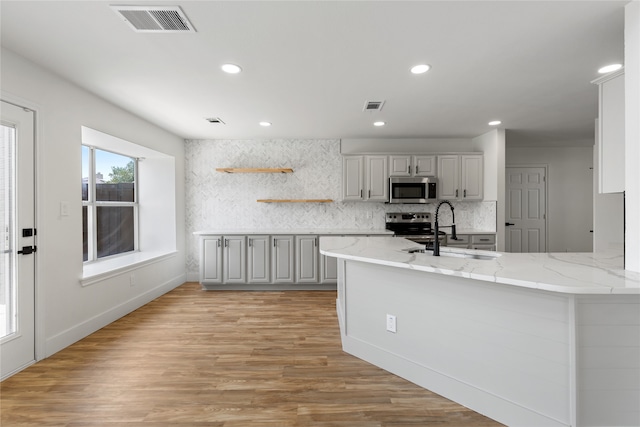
x: 28, y: 250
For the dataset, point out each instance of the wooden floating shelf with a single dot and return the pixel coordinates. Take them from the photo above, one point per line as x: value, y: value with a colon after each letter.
x: 255, y: 170
x: 294, y: 200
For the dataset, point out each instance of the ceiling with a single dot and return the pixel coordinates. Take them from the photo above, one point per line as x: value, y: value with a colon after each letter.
x: 310, y: 66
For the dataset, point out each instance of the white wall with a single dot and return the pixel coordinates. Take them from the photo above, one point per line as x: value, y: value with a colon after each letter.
x: 608, y: 213
x: 632, y: 135
x: 569, y: 193
x: 67, y: 311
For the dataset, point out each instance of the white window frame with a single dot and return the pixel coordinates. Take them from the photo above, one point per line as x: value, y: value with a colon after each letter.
x: 92, y: 206
x: 156, y: 193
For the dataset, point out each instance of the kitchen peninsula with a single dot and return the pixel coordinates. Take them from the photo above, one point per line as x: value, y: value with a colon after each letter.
x: 527, y: 339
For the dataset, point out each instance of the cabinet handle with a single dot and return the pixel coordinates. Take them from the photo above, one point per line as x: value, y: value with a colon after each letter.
x: 456, y: 193
x: 274, y: 243
x: 417, y: 169
x: 226, y: 242
x: 409, y: 169
x: 464, y: 193
x: 315, y: 241
x: 369, y: 196
x: 484, y: 240
x: 218, y: 242
x: 360, y: 193
x: 249, y: 242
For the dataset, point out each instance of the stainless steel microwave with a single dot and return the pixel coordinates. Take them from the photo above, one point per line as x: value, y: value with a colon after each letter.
x: 413, y: 189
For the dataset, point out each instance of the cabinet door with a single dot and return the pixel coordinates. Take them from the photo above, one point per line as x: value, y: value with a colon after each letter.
x: 258, y: 259
x: 328, y: 269
x: 424, y: 165
x: 472, y: 177
x: 400, y: 165
x: 611, y: 139
x: 448, y: 176
x: 282, y: 259
x: 307, y: 259
x: 377, y: 178
x: 234, y: 258
x: 352, y: 177
x: 211, y: 259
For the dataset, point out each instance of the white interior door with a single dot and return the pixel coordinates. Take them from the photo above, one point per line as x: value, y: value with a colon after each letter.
x: 17, y: 287
x: 526, y: 216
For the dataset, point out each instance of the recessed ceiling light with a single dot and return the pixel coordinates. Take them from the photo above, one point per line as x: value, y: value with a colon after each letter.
x: 379, y: 123
x: 609, y: 68
x: 419, y: 69
x: 495, y: 123
x: 231, y: 68
x: 265, y: 124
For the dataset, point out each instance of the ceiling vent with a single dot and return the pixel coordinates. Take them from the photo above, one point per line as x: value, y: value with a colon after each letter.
x: 215, y: 120
x: 155, y: 19
x: 373, y: 105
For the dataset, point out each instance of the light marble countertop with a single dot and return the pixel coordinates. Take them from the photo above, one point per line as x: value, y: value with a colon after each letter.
x: 318, y: 231
x: 569, y: 273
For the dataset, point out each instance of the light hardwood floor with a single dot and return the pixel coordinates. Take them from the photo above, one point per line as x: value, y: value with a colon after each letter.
x: 223, y: 358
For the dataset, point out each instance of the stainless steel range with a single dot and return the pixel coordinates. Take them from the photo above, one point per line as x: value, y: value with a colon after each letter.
x: 415, y: 227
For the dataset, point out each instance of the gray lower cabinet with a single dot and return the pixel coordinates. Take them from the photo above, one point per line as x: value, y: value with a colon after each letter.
x: 486, y: 242
x: 307, y: 259
x: 266, y: 259
x: 258, y: 259
x: 234, y: 259
x: 328, y: 269
x: 282, y: 259
x: 211, y: 259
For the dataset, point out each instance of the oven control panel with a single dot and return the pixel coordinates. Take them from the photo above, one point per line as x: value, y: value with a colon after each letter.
x: 420, y: 217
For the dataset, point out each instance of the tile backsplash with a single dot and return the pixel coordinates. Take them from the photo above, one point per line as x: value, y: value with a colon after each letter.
x: 218, y: 201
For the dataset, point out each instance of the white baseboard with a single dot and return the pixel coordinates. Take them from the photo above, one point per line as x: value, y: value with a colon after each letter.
x: 81, y: 330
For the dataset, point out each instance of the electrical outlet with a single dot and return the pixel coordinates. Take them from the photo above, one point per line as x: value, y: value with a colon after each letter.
x: 391, y: 323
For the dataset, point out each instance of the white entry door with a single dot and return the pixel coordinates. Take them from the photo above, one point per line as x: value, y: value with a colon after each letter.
x: 17, y: 265
x: 526, y: 216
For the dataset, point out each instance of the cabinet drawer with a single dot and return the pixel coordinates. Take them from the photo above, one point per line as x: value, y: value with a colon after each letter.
x: 483, y: 239
x: 463, y: 239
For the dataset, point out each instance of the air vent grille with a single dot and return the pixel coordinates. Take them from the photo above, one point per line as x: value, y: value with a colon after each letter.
x: 215, y: 120
x: 373, y: 105
x: 155, y: 19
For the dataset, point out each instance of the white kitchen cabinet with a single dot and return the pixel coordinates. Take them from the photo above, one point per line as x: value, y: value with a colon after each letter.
x: 282, y: 259
x: 610, y: 136
x: 234, y: 259
x: 258, y: 259
x: 307, y: 257
x: 352, y: 177
x: 404, y: 165
x: 211, y: 259
x: 460, y: 177
x: 365, y: 178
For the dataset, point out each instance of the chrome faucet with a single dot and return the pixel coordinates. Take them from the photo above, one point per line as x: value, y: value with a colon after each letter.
x: 436, y: 242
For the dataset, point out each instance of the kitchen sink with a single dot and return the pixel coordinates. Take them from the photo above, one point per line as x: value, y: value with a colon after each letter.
x: 480, y: 256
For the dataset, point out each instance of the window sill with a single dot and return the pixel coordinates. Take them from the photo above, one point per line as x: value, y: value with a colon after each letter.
x: 102, y: 270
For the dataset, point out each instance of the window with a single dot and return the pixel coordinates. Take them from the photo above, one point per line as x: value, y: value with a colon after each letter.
x: 127, y: 222
x: 109, y: 203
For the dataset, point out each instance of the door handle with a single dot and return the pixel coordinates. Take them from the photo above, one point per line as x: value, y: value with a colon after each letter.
x: 27, y: 250
x: 508, y: 223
